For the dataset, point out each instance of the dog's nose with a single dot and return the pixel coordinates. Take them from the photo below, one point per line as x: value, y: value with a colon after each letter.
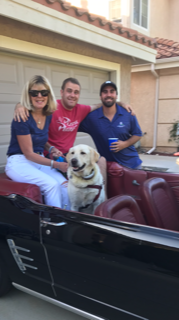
x: 74, y: 162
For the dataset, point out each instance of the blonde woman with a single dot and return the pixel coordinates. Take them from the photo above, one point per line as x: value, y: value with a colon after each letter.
x: 26, y: 162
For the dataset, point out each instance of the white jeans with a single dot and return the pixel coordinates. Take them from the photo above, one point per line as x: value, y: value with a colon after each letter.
x: 19, y: 169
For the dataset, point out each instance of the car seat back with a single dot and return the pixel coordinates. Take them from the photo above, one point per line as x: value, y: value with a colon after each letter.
x: 160, y: 205
x: 122, y: 208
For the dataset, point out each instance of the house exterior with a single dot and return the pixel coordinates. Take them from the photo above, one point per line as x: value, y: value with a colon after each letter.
x: 154, y: 18
x: 58, y: 40
x: 154, y: 87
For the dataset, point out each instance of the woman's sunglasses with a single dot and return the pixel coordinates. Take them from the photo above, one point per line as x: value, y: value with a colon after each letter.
x: 34, y: 93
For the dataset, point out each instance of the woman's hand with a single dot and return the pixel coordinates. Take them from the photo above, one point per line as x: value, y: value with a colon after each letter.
x: 62, y: 166
x: 55, y: 153
x: 20, y: 113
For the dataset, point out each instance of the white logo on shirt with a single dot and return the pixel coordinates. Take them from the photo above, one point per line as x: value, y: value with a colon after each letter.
x: 66, y: 124
x: 121, y: 125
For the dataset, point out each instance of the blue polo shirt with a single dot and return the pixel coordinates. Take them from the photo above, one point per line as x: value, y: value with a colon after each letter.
x: 123, y: 126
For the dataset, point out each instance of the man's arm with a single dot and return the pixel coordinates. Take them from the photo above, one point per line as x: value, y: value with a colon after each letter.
x: 122, y: 104
x: 119, y: 145
x: 20, y: 113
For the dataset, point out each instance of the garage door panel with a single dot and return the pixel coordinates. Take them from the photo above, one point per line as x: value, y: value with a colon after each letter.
x: 97, y: 81
x: 58, y: 75
x: 89, y: 101
x: 3, y: 157
x: 85, y: 84
x: 84, y: 78
x: 29, y: 72
x: 6, y: 112
x: 9, y: 80
x: 4, y: 132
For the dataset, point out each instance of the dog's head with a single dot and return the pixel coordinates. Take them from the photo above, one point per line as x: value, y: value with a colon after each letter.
x: 81, y: 156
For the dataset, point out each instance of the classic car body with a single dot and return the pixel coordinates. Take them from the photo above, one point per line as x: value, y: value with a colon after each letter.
x: 95, y: 265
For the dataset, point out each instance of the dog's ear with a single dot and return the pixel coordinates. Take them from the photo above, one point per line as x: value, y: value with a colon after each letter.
x: 94, y: 156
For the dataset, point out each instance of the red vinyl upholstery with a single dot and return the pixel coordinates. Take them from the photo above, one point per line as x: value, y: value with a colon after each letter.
x: 115, y: 185
x: 160, y: 204
x: 122, y: 208
x: 28, y: 190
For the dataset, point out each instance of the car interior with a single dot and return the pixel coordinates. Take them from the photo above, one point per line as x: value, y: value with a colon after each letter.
x: 135, y: 196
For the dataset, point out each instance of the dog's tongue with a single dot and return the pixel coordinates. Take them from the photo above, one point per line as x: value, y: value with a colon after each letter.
x: 75, y: 168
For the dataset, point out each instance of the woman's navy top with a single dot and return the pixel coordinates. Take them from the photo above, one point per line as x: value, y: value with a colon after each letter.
x: 39, y: 137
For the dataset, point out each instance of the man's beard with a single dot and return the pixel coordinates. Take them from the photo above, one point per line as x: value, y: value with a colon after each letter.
x: 109, y: 103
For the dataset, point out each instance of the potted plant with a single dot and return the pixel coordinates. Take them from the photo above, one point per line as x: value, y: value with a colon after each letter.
x: 174, y: 133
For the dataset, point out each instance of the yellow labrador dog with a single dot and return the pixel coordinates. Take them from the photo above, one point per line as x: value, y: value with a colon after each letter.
x: 85, y: 185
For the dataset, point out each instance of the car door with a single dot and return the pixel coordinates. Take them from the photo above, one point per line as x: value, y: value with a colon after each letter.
x: 21, y: 247
x: 110, y: 269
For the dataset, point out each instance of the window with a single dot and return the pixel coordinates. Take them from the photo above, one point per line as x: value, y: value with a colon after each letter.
x: 140, y: 13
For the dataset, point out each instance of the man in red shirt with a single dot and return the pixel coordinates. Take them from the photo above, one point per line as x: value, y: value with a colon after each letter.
x: 68, y: 116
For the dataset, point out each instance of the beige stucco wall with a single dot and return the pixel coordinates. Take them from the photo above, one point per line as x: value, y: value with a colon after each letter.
x: 143, y: 89
x: 21, y: 31
x: 143, y: 101
x: 168, y: 105
x: 164, y: 19
x: 173, y: 19
x: 159, y: 18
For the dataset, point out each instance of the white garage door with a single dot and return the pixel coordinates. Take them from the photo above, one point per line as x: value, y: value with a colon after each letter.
x: 16, y: 70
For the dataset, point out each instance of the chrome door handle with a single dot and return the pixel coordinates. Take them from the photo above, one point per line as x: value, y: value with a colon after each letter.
x: 58, y: 224
x: 135, y: 183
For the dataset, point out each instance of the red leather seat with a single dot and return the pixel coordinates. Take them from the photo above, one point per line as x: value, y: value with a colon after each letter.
x: 160, y: 205
x: 27, y: 190
x: 122, y: 208
x: 115, y: 179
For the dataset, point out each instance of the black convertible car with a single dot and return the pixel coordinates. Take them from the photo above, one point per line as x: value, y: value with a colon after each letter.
x: 121, y: 263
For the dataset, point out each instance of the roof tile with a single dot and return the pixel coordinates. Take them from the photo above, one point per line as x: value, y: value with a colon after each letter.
x: 80, y: 11
x: 167, y: 48
x: 99, y: 21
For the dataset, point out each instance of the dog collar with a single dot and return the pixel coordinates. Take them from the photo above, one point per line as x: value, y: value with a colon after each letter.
x: 91, y: 175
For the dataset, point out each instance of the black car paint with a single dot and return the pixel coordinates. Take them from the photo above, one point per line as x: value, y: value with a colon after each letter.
x: 90, y: 264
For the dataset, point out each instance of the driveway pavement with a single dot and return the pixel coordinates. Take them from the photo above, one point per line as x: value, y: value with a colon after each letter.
x: 17, y: 305
x: 165, y: 162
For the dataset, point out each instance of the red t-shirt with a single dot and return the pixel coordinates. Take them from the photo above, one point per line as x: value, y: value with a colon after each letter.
x: 64, y: 125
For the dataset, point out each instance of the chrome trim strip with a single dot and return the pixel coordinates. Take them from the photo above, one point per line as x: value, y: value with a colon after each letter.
x: 22, y: 249
x: 29, y: 266
x: 26, y: 258
x: 11, y: 244
x: 141, y: 235
x: 59, y: 224
x: 113, y: 307
x: 17, y: 257
x: 57, y: 303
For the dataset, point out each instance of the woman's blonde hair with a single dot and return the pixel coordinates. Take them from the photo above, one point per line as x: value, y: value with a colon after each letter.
x: 25, y: 96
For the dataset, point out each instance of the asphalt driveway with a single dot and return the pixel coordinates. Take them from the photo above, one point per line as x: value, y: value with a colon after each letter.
x: 17, y: 305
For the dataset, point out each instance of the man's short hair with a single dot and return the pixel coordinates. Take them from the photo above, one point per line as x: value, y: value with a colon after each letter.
x: 73, y: 80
